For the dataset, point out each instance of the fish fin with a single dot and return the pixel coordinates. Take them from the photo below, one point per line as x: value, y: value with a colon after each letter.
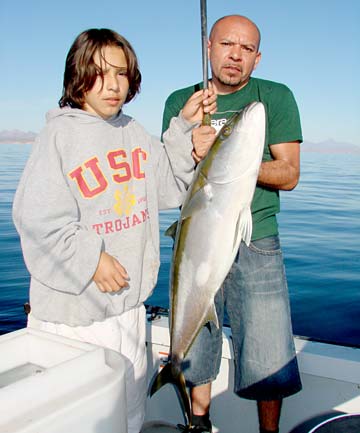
x: 198, y: 201
x: 212, y: 315
x: 244, y: 228
x: 167, y: 375
x: 171, y: 231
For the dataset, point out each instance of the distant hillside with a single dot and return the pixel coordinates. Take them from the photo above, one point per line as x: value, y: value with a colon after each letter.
x: 330, y: 146
x: 15, y: 136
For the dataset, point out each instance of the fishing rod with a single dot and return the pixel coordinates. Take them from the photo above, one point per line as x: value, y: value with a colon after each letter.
x: 204, y: 43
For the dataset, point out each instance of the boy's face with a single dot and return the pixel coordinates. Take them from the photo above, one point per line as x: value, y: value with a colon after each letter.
x: 108, y: 95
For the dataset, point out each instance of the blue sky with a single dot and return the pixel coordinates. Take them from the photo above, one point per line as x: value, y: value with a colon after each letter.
x: 313, y: 46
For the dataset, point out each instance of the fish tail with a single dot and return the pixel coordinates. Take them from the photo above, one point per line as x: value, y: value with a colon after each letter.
x: 170, y: 375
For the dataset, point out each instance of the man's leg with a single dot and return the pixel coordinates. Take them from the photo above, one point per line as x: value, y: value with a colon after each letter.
x: 258, y: 307
x: 269, y: 415
x: 201, y: 367
x: 200, y: 399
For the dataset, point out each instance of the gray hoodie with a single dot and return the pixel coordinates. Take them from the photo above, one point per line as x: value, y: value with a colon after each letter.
x: 92, y: 185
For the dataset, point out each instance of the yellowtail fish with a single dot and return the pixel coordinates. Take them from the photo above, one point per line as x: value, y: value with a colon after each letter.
x: 215, y: 218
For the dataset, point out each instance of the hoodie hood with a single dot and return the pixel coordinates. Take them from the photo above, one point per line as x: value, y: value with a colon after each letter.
x: 84, y: 116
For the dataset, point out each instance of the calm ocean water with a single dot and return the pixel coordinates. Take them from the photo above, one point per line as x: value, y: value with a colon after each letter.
x: 320, y: 233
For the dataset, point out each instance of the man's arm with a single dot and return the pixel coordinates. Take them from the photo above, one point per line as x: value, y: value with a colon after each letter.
x: 284, y: 171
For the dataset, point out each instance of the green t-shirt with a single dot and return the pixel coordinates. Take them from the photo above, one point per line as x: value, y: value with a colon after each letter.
x: 283, y: 125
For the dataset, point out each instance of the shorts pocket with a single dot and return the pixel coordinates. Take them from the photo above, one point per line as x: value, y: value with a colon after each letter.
x: 269, y: 246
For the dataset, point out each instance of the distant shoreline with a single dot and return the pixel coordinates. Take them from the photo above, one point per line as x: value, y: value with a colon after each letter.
x: 326, y: 147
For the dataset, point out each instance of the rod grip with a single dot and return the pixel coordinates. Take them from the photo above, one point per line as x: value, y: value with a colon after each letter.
x: 206, y: 119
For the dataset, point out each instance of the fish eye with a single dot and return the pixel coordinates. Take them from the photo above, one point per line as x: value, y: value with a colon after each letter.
x: 226, y: 131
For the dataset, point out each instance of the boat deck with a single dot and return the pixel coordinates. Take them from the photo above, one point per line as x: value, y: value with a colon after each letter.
x: 330, y: 376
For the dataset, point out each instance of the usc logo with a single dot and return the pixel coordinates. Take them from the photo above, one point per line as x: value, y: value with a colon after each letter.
x: 124, y: 169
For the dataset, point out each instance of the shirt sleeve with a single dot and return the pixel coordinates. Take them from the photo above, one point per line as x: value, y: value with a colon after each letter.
x: 174, y: 165
x: 58, y: 250
x: 284, y: 117
x: 174, y: 105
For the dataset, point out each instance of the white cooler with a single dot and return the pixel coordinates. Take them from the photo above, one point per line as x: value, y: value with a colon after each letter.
x: 51, y: 384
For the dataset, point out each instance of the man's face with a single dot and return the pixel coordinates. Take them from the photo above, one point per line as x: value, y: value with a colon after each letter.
x: 233, y: 53
x: 109, y: 92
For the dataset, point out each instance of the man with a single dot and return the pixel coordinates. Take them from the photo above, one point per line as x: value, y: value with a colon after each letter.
x: 255, y: 291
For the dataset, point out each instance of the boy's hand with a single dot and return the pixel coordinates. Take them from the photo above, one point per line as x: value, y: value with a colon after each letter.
x: 199, y: 103
x: 203, y: 138
x: 110, y: 276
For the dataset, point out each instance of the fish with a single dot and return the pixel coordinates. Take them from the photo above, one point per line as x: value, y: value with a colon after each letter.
x: 214, y: 219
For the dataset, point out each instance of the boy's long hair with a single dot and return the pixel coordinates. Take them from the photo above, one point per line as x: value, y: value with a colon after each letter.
x: 81, y: 71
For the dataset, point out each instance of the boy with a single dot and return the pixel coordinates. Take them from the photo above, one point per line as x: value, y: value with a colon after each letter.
x: 87, y: 205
